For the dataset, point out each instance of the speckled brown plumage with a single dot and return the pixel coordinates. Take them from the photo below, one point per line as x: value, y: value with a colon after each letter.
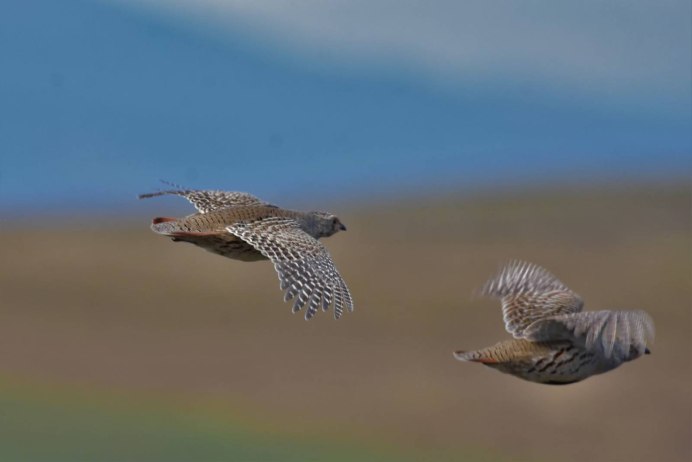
x: 554, y: 341
x: 242, y: 227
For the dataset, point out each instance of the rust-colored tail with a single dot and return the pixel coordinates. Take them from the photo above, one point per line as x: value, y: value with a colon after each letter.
x: 158, y: 220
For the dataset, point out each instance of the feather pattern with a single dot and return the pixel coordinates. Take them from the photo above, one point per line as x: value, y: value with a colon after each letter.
x: 208, y: 200
x: 305, y: 268
x: 614, y: 334
x: 529, y: 293
x: 242, y: 227
x: 555, y: 342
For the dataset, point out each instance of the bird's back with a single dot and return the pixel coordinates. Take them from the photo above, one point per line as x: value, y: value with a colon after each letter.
x: 218, y: 220
x: 208, y: 230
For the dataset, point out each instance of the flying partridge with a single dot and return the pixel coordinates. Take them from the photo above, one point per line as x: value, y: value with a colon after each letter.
x: 555, y: 342
x: 242, y: 227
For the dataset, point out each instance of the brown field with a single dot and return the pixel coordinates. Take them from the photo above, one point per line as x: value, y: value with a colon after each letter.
x: 113, y: 307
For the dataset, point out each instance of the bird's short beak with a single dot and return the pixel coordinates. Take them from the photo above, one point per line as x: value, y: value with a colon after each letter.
x: 647, y: 351
x: 342, y: 227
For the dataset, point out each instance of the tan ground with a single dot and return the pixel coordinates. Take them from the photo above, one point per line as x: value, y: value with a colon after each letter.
x: 117, y: 307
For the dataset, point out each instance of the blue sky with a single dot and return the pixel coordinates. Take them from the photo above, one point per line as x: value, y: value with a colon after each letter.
x: 100, y: 99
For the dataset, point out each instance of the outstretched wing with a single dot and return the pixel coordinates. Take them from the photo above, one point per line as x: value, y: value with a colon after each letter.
x: 208, y: 200
x: 618, y: 334
x: 306, y: 271
x: 529, y: 293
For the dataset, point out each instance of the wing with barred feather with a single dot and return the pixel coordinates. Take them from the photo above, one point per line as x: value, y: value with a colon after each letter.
x: 305, y: 268
x: 622, y: 335
x: 209, y: 200
x: 529, y: 293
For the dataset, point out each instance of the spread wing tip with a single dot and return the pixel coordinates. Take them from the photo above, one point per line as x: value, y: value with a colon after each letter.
x: 177, y: 189
x: 311, y: 308
x: 518, y: 276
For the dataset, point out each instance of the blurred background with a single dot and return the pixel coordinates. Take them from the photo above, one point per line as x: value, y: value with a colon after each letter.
x: 449, y: 137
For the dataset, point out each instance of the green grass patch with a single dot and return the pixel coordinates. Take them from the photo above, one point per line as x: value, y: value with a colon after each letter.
x: 59, y: 424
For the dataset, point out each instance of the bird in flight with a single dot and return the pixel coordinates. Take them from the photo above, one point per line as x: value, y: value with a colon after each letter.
x: 555, y: 342
x: 242, y: 227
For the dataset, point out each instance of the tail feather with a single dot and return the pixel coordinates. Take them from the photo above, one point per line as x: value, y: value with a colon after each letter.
x: 473, y: 356
x: 165, y: 225
x: 158, y: 220
x: 175, y: 228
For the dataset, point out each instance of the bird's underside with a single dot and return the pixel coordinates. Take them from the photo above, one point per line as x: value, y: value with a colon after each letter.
x: 226, y: 246
x: 552, y: 363
x: 242, y: 227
